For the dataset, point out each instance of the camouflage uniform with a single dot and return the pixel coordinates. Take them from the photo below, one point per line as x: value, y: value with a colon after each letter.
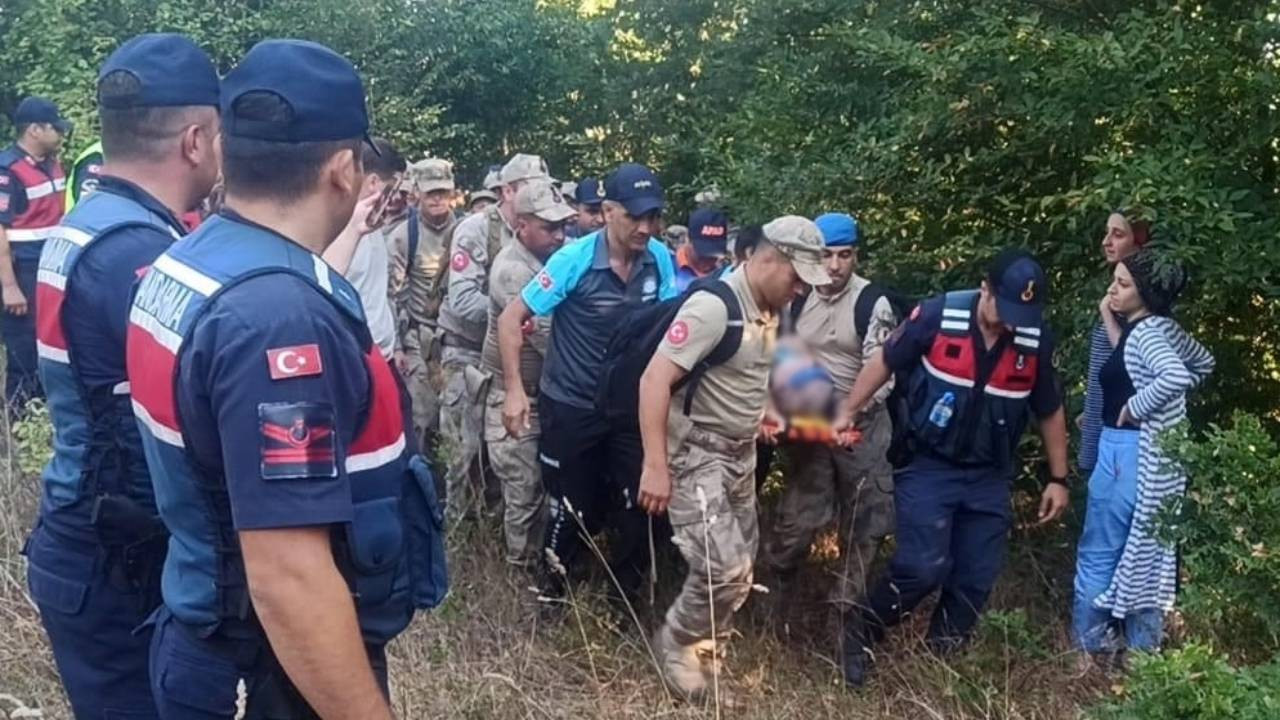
x: 853, y: 487
x: 416, y: 295
x: 515, y: 459
x: 463, y: 320
x: 713, y: 459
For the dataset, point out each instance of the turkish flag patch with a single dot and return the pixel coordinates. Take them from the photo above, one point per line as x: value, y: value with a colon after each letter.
x: 460, y: 261
x: 294, y: 361
x: 297, y: 441
x: 544, y: 280
x: 678, y: 332
x: 4, y: 202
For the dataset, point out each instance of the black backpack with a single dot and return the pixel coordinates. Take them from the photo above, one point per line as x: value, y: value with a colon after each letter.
x: 863, y: 308
x: 638, y: 334
x: 414, y: 232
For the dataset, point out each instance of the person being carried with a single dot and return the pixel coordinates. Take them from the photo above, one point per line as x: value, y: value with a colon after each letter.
x: 845, y: 324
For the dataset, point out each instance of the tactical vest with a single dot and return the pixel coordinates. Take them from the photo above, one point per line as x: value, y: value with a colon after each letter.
x: 84, y: 175
x: 986, y: 417
x: 96, y: 447
x: 391, y: 553
x: 44, y: 200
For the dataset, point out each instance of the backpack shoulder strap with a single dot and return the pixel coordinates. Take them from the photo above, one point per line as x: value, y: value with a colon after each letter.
x: 794, y: 311
x: 728, y: 344
x: 864, y: 306
x: 414, y: 231
x: 494, y: 240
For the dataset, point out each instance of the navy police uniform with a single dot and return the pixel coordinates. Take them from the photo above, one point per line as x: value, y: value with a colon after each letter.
x: 30, y: 209
x: 254, y: 420
x: 966, y: 407
x: 586, y: 460
x: 95, y: 554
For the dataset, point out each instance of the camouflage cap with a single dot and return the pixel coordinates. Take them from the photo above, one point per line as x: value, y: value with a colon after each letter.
x: 430, y: 174
x: 492, y: 181
x: 543, y: 200
x: 569, y: 190
x: 481, y: 195
x: 800, y: 240
x: 524, y: 167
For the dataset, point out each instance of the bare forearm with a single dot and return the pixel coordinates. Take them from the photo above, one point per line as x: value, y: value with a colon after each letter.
x: 655, y: 402
x: 873, y: 376
x: 6, y: 260
x: 340, y: 252
x: 310, y: 621
x: 1053, y: 431
x: 1112, y: 326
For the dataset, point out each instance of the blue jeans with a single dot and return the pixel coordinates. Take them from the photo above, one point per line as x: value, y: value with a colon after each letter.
x: 1113, y: 491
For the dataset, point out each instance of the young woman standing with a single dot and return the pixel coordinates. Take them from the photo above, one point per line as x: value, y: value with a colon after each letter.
x: 1126, y: 578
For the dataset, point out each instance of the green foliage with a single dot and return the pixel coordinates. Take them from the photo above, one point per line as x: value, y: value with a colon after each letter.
x: 1194, y: 683
x: 1228, y: 530
x: 33, y: 438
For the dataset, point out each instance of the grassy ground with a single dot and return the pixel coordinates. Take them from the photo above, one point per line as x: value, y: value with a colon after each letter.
x: 487, y: 653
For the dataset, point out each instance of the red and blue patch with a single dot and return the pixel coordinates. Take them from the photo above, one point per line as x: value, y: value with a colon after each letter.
x: 297, y: 441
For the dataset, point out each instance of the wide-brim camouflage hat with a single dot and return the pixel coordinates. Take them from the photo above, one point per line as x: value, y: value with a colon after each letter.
x: 800, y: 240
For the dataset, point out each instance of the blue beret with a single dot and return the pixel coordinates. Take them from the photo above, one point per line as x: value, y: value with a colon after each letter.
x: 838, y: 229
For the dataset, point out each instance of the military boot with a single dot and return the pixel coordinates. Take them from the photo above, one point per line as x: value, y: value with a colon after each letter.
x: 682, y: 668
x: 855, y: 650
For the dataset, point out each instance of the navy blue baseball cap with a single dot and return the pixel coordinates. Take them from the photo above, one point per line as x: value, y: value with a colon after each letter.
x: 322, y: 90
x: 709, y: 232
x: 589, y: 192
x: 636, y: 188
x: 171, y: 71
x: 36, y: 110
x: 1020, y: 287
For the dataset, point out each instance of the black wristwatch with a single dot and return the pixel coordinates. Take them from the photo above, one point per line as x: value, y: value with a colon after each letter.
x: 1064, y: 482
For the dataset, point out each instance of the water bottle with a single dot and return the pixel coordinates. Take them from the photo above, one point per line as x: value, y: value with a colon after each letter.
x: 943, y: 410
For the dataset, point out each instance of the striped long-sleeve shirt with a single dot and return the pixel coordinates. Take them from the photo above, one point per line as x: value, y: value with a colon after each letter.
x: 1164, y: 363
x: 1091, y: 428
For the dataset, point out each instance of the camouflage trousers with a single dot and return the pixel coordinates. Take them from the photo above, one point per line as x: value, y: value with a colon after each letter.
x: 423, y: 377
x: 716, y: 531
x: 461, y: 431
x: 514, y: 460
x: 854, y: 489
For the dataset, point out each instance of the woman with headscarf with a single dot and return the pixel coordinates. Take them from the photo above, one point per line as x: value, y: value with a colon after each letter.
x: 1125, y: 577
x: 1127, y: 232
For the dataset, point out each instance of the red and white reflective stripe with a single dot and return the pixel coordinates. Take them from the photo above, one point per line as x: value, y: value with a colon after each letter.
x: 52, y: 279
x: 376, y: 458
x: 946, y: 377
x: 156, y: 329
x: 1001, y: 392
x: 49, y: 352
x: 38, y: 191
x: 162, y: 433
x: 186, y: 275
x: 29, y: 234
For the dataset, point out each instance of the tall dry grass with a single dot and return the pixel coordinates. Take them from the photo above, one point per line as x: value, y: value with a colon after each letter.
x: 489, y: 653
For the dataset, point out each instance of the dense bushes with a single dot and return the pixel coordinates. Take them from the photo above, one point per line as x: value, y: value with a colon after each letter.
x: 1195, y: 683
